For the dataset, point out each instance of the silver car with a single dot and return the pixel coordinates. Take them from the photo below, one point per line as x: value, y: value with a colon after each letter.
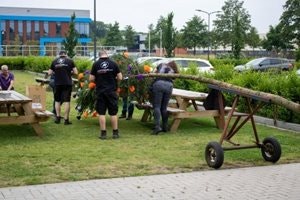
x: 266, y: 63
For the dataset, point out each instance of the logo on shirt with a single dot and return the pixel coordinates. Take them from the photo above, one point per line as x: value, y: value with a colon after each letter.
x: 61, y: 60
x: 104, y: 65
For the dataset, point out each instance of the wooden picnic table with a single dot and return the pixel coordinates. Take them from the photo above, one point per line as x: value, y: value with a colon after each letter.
x: 16, y: 108
x: 46, y: 79
x: 180, y: 110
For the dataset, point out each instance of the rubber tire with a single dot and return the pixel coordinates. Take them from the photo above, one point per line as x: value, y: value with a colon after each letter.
x: 214, y: 155
x: 271, y: 149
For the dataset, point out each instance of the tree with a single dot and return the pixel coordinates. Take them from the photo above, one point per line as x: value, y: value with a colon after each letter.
x: 290, y: 22
x: 232, y: 25
x: 253, y: 39
x: 114, y: 36
x: 129, y: 37
x: 101, y: 29
x: 71, y: 38
x: 194, y: 33
x: 238, y: 39
x: 169, y: 35
x: 274, y: 41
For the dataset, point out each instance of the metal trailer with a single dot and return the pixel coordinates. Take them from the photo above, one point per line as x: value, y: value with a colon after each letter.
x: 214, y: 152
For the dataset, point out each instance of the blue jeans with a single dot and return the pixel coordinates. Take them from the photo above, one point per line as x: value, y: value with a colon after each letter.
x: 162, y: 91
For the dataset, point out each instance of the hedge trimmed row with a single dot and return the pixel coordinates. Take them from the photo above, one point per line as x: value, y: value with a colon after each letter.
x: 285, y: 84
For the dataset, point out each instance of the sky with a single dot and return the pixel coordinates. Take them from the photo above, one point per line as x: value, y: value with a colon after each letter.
x: 140, y: 13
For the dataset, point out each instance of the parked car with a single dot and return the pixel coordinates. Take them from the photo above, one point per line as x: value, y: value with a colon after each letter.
x: 184, y: 63
x: 150, y: 59
x: 266, y: 63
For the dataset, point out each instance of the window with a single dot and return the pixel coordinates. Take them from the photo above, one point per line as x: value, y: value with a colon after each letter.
x: 28, y: 30
x: 2, y: 26
x: 58, y: 29
x: 36, y: 30
x: 202, y: 64
x: 275, y: 62
x: 20, y: 29
x: 265, y: 62
x: 46, y: 28
x: 82, y: 29
x: 11, y: 30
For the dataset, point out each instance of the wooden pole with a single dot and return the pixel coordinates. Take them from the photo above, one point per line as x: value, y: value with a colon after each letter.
x: 273, y: 98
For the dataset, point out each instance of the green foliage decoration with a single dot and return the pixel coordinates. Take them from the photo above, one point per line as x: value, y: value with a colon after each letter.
x: 134, y: 85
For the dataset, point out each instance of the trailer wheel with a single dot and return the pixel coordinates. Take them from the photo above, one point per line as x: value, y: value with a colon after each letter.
x: 214, y: 155
x: 271, y: 149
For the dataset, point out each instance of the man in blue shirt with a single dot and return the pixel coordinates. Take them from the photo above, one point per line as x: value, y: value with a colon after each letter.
x: 6, y: 79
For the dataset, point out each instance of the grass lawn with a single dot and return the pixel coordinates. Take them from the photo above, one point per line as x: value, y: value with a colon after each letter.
x: 71, y: 153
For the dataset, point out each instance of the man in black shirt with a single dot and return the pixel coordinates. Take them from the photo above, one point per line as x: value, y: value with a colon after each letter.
x: 106, y: 74
x: 63, y: 67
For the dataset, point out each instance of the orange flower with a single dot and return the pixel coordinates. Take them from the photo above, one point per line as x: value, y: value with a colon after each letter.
x: 85, y: 114
x: 118, y: 90
x: 92, y: 85
x: 147, y: 68
x: 125, y: 54
x: 94, y: 114
x: 131, y: 88
x: 81, y: 84
x: 80, y: 76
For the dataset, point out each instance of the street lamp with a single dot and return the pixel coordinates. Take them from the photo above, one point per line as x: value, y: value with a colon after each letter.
x: 208, y: 27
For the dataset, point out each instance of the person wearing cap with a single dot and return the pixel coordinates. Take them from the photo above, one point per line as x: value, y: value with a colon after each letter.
x: 106, y: 74
x: 63, y: 68
x: 6, y: 79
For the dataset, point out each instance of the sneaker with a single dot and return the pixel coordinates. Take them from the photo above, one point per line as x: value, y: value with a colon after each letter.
x: 115, y: 134
x: 122, y: 116
x: 67, y: 122
x: 57, y: 120
x: 102, y: 135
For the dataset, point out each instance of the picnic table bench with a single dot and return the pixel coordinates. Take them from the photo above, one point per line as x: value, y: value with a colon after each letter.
x: 16, y: 108
x: 179, y: 108
x: 45, y: 80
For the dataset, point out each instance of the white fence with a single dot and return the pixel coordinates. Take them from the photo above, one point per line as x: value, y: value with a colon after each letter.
x: 52, y: 50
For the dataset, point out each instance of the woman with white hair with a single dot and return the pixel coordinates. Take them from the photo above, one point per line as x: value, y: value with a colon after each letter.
x: 6, y: 79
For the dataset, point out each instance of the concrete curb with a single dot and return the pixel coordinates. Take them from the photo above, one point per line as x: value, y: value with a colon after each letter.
x: 277, y: 124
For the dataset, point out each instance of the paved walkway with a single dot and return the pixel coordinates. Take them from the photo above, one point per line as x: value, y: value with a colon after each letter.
x: 268, y: 182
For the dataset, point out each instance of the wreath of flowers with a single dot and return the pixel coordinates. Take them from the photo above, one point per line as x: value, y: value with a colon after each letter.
x: 133, y: 85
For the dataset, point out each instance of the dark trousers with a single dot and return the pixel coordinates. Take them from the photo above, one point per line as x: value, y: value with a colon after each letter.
x: 127, y: 106
x: 162, y: 91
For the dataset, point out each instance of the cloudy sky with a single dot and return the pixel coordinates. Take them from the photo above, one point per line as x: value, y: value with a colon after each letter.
x: 140, y: 13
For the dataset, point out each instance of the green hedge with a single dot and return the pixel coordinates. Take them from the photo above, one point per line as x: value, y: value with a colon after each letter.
x: 38, y: 64
x: 285, y: 84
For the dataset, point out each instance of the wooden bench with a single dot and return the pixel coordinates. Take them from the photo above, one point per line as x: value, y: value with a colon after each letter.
x: 147, y: 107
x: 44, y: 113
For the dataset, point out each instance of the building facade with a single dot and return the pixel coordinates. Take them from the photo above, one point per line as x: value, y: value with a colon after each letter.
x: 24, y: 26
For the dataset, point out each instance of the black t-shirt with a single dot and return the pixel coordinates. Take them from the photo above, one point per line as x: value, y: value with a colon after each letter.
x: 105, y: 72
x: 62, y: 68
